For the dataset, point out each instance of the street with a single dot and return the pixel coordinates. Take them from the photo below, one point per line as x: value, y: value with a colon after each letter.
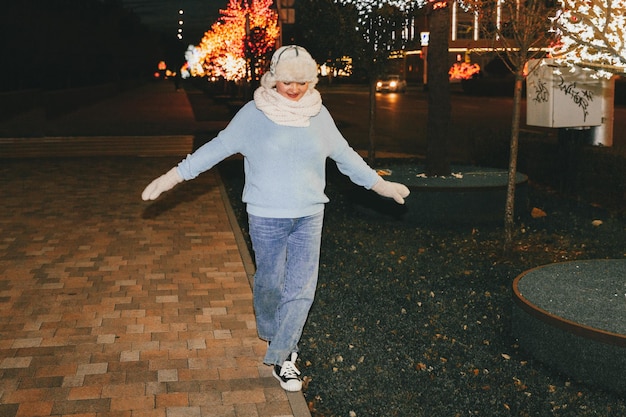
x: 400, y: 125
x: 401, y: 118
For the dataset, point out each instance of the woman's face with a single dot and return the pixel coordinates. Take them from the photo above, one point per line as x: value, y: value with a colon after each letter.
x: 292, y: 90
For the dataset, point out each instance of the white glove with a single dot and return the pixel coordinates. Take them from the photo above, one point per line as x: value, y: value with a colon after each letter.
x: 391, y: 190
x: 164, y: 183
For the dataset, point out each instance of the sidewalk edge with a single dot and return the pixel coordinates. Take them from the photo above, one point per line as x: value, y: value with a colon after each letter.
x: 296, y: 400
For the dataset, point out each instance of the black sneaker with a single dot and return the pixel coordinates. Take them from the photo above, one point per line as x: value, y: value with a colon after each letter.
x: 288, y: 374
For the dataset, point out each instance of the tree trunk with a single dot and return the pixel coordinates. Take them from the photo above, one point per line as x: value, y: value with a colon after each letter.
x: 509, y: 211
x: 371, y: 152
x: 439, y: 107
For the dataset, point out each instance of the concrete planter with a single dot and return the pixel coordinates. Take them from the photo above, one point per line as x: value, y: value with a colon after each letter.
x: 571, y: 317
x: 471, y: 195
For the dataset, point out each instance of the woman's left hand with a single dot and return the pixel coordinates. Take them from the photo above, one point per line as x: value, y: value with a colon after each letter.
x: 391, y: 190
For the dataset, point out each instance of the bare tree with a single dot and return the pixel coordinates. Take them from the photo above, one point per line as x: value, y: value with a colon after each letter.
x: 380, y: 24
x: 319, y: 23
x: 519, y: 31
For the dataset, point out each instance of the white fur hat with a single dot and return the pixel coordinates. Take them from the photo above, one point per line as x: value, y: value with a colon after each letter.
x: 291, y: 63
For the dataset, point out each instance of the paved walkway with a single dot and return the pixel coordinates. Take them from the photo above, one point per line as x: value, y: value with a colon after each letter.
x: 111, y: 306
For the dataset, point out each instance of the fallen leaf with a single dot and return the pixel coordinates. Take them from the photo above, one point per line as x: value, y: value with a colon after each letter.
x: 536, y: 213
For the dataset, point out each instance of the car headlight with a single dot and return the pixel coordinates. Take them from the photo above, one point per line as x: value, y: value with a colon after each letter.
x: 379, y: 84
x: 393, y: 84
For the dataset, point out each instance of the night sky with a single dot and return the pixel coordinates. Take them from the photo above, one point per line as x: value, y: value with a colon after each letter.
x: 163, y: 15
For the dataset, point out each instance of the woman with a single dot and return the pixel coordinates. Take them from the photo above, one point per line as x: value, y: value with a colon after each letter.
x: 285, y: 136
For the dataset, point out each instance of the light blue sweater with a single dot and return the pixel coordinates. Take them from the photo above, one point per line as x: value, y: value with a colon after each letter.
x: 285, y: 167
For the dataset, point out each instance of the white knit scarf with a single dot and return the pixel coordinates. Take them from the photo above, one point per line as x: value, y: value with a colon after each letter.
x: 287, y: 112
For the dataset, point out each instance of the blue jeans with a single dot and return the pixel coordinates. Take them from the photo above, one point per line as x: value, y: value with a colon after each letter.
x: 287, y: 253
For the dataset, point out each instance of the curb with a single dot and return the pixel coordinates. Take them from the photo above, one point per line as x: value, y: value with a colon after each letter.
x: 296, y: 400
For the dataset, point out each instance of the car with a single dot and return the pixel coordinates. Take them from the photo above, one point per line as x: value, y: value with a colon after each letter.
x: 391, y: 83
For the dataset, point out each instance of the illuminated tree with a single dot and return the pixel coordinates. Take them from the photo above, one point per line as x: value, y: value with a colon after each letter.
x: 463, y: 71
x: 592, y: 34
x: 245, y: 32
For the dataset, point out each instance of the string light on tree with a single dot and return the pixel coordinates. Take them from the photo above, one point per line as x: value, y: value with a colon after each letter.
x: 592, y: 34
x: 222, y: 50
x: 367, y: 7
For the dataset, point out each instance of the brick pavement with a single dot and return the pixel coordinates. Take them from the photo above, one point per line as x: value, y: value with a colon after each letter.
x: 114, y: 307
